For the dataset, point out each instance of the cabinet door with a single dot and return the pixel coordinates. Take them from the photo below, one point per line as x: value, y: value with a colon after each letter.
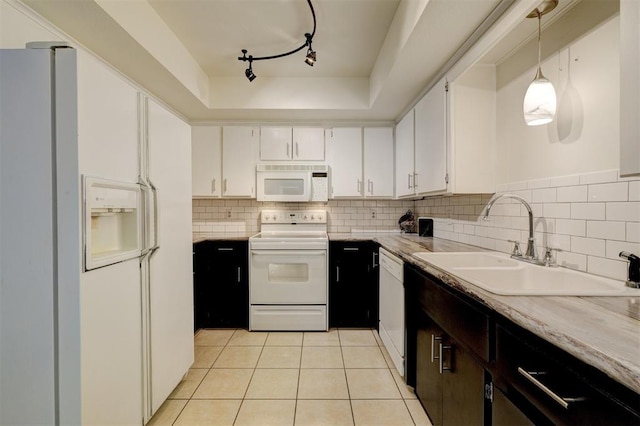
x: 353, y: 285
x: 345, y: 159
x: 239, y: 161
x: 275, y: 143
x: 462, y: 386
x: 378, y: 162
x: 223, y: 290
x: 429, y: 381
x: 430, y: 140
x: 629, y: 99
x: 206, y: 161
x: 404, y: 156
x: 308, y: 143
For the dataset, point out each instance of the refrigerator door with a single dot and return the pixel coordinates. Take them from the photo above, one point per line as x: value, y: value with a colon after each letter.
x: 170, y: 307
x: 27, y: 358
x: 40, y: 237
x: 110, y: 296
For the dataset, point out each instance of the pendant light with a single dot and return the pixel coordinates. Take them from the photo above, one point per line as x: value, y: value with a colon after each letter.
x: 539, y: 104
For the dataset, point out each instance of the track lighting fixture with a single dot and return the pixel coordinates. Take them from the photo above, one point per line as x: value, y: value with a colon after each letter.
x: 539, y: 106
x: 309, y: 60
x: 249, y: 71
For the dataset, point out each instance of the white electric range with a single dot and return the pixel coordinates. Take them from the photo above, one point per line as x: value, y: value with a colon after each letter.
x: 288, y: 264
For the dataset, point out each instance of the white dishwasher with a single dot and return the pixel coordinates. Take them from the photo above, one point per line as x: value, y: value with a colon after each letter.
x: 392, y: 330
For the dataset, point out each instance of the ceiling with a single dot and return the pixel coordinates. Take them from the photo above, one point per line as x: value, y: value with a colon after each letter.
x: 374, y: 56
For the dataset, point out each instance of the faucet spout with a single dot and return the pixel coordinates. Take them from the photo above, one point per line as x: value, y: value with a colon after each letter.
x: 531, y: 246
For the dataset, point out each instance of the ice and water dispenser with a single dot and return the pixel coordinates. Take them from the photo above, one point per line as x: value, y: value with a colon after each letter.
x: 112, y: 222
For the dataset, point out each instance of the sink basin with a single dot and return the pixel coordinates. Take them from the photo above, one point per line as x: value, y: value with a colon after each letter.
x: 499, y: 274
x: 447, y: 260
x: 534, y: 280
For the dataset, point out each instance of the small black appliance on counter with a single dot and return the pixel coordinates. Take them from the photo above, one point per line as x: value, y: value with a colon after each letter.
x: 425, y: 227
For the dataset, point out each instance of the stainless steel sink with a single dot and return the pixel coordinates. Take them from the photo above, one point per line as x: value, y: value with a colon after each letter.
x: 499, y: 274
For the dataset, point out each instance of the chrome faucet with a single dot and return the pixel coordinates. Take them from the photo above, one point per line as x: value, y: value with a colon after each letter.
x: 530, y: 254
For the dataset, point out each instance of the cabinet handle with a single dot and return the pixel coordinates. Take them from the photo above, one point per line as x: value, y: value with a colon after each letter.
x: 224, y: 186
x: 297, y: 150
x: 564, y: 402
x: 350, y: 249
x: 337, y: 273
x: 442, y: 367
x: 414, y: 180
x: 287, y: 149
x: 370, y: 186
x: 239, y: 275
x: 225, y: 248
x: 375, y: 264
x: 434, y: 339
x: 359, y: 186
x: 408, y: 180
x: 213, y: 185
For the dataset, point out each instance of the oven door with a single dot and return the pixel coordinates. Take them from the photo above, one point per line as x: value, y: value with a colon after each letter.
x: 288, y: 277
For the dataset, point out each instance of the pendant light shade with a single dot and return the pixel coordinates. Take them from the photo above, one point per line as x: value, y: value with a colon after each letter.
x: 539, y: 106
x: 540, y: 101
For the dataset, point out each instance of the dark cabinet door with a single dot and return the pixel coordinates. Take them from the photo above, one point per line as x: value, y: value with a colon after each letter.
x: 428, y: 378
x: 463, y: 386
x: 353, y: 284
x: 221, y: 285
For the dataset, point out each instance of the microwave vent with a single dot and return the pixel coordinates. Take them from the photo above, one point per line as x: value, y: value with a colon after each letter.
x: 292, y: 168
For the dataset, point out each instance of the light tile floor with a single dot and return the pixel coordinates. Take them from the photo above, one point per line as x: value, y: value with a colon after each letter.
x: 342, y: 377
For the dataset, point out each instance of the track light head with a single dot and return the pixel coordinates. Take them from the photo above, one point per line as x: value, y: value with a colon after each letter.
x: 311, y: 57
x: 249, y: 71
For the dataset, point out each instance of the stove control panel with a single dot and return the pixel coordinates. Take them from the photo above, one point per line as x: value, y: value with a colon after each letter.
x: 293, y: 216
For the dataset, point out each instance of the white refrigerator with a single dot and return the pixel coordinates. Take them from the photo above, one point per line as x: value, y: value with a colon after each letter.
x: 79, y: 345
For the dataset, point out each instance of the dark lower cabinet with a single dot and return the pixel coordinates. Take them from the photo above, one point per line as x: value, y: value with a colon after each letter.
x: 471, y: 366
x: 546, y: 385
x: 221, y: 285
x: 353, y: 284
x: 449, y: 382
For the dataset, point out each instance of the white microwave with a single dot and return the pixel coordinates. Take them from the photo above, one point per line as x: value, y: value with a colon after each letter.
x: 292, y: 182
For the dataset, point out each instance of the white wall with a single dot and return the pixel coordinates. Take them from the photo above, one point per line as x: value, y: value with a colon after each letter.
x: 585, y: 135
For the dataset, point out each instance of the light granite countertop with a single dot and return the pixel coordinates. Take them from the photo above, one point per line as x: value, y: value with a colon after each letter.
x: 601, y: 331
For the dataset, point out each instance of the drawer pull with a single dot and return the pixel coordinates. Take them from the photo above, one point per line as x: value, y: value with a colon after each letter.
x: 442, y: 367
x: 434, y: 339
x: 564, y: 402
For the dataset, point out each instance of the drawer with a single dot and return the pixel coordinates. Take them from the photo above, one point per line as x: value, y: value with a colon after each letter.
x: 459, y: 318
x: 544, y: 378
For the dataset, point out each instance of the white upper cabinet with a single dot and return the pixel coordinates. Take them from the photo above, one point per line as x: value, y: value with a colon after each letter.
x: 308, y: 143
x: 239, y: 146
x: 286, y: 143
x: 378, y: 162
x: 206, y: 166
x: 431, y: 141
x: 275, y: 143
x: 404, y: 156
x: 344, y: 152
x: 472, y: 161
x: 630, y: 84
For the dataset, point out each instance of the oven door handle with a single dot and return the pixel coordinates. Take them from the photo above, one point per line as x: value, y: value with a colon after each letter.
x: 299, y: 253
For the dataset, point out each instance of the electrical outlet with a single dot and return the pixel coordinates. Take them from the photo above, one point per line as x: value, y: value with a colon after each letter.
x: 373, y: 214
x: 228, y: 214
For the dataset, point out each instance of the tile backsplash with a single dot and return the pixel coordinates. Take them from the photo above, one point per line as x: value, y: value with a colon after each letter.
x: 590, y: 217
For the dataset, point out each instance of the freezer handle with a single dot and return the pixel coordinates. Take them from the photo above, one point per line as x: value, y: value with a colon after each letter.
x: 154, y: 220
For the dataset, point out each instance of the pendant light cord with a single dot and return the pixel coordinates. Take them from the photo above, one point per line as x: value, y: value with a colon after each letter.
x: 539, y: 38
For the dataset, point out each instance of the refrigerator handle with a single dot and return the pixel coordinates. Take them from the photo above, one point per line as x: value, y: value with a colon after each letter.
x: 155, y: 218
x: 146, y: 200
